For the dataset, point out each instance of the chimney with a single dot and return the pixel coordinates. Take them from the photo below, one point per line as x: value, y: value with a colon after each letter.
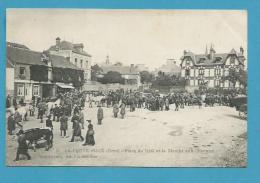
x: 132, y: 67
x: 57, y: 41
x: 184, y: 52
x: 212, y: 52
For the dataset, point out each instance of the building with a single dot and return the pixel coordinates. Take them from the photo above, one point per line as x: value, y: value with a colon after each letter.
x: 129, y: 73
x: 210, y: 69
x: 170, y: 68
x: 75, y: 54
x: 23, y: 60
x: 9, y: 78
x: 39, y: 74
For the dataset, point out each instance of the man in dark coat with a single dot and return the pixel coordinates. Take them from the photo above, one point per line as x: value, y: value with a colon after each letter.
x: 8, y: 101
x: 63, y: 125
x: 22, y: 146
x: 10, y: 124
x: 100, y: 115
x: 49, y: 122
x: 76, y: 130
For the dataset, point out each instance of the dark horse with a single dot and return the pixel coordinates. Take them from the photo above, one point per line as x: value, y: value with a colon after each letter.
x: 35, y: 134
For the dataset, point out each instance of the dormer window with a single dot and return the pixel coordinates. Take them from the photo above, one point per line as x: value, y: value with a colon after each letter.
x: 217, y: 59
x: 232, y: 60
x: 201, y: 60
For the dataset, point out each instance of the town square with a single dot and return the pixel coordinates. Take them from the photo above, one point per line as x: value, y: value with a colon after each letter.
x: 102, y: 92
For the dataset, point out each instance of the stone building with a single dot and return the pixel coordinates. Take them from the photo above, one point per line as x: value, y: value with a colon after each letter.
x: 75, y: 54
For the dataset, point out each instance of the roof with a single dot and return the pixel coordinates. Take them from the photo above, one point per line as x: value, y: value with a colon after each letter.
x: 9, y: 63
x: 218, y: 58
x: 24, y: 56
x: 66, y: 45
x: 17, y: 45
x: 124, y: 70
x: 61, y: 62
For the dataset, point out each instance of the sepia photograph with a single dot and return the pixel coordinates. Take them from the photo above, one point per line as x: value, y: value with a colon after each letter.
x: 126, y: 87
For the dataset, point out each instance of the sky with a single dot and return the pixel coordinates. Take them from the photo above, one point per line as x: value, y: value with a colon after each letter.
x: 147, y: 37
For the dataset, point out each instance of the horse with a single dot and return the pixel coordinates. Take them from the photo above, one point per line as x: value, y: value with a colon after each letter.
x: 23, y: 111
x: 51, y: 105
x: 35, y: 134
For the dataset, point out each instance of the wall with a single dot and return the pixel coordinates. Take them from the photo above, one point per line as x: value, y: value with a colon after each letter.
x: 86, y: 64
x: 9, y: 81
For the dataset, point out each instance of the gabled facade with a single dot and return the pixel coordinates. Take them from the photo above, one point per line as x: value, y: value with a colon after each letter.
x: 39, y: 74
x: 211, y: 68
x: 129, y: 73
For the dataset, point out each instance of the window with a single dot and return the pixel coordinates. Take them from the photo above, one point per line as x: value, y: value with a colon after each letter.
x: 217, y: 83
x: 226, y: 73
x: 202, y: 60
x: 188, y: 62
x: 200, y: 81
x: 20, y: 90
x: 232, y: 60
x: 86, y: 64
x: 22, y: 71
x: 217, y: 71
x: 187, y: 72
x: 27, y: 89
x: 201, y: 71
x: 81, y: 63
x: 36, y: 90
x: 76, y: 61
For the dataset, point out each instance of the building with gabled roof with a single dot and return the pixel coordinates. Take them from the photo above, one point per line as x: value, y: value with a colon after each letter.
x: 75, y: 54
x: 38, y: 74
x: 210, y: 68
x: 129, y: 73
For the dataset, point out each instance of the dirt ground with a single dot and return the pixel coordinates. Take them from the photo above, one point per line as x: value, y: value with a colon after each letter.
x: 191, y: 137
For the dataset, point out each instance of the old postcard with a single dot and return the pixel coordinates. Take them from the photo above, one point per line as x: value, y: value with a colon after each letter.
x: 137, y: 88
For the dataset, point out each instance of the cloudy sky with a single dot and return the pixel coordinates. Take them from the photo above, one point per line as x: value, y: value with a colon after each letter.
x: 130, y: 36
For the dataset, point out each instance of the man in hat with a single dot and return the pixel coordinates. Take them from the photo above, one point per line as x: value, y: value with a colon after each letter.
x: 100, y: 115
x: 22, y: 146
x: 76, y: 130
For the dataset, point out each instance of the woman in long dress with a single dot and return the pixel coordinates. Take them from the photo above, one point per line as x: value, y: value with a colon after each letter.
x: 90, y: 135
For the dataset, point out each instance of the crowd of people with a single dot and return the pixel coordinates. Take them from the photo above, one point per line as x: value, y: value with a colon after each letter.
x: 70, y: 106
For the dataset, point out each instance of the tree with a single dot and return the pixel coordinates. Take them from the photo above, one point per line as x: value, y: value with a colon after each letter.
x: 168, y: 80
x: 95, y: 69
x: 146, y: 77
x: 112, y: 77
x: 237, y: 76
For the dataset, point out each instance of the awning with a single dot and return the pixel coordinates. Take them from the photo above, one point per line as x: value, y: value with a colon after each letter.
x: 63, y: 85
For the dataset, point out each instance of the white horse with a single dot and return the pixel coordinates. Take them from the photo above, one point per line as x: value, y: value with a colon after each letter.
x: 97, y: 99
x: 23, y: 111
x: 51, y: 105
